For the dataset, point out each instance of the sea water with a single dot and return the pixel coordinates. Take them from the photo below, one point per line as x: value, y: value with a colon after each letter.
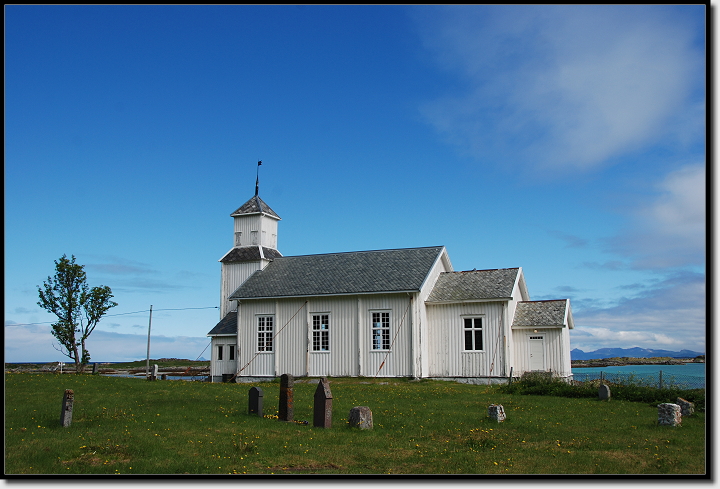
x: 691, y: 373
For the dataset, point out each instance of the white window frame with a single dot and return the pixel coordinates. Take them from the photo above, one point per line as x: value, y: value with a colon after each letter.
x: 265, y: 333
x: 473, y: 329
x: 320, y: 335
x: 380, y: 330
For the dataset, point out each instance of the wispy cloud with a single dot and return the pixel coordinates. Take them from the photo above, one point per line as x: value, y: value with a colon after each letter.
x: 565, y: 86
x: 37, y: 340
x: 669, y: 314
x: 669, y: 231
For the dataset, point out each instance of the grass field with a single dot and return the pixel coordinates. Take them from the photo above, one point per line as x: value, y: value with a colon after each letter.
x: 132, y: 426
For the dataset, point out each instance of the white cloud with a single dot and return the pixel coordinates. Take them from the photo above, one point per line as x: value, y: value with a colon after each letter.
x: 670, y: 316
x: 34, y: 343
x: 569, y: 86
x: 670, y: 231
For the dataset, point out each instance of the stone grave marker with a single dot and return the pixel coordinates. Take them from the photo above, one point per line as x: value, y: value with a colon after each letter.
x: 67, y: 408
x: 95, y: 368
x: 604, y: 392
x: 322, y: 413
x: 496, y: 412
x: 255, y: 401
x: 687, y: 408
x: 286, y: 411
x: 669, y: 414
x: 361, y: 417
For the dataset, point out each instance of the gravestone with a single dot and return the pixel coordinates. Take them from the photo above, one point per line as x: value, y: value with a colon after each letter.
x: 285, y: 410
x: 361, y: 417
x: 255, y: 401
x: 322, y: 414
x: 687, y: 408
x: 95, y: 368
x: 669, y: 414
x: 604, y: 392
x: 163, y: 377
x: 496, y: 412
x: 154, y: 373
x: 67, y: 408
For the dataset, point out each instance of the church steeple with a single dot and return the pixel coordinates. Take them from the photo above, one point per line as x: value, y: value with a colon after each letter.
x: 254, y: 245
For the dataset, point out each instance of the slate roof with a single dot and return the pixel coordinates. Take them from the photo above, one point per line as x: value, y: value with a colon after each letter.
x: 255, y: 206
x: 228, y: 325
x: 474, y: 285
x: 249, y: 253
x: 359, y: 272
x: 542, y: 313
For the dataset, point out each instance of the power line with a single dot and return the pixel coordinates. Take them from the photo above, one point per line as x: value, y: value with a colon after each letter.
x: 121, y: 314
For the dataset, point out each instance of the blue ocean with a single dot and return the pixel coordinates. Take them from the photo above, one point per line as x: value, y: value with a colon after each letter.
x: 692, y: 374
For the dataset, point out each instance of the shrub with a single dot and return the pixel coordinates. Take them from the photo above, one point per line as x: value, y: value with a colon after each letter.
x: 544, y: 384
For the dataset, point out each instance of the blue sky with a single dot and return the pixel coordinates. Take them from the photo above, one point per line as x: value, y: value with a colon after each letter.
x: 568, y: 140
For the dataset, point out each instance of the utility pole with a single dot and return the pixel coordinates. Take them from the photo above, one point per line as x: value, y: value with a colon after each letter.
x: 147, y: 364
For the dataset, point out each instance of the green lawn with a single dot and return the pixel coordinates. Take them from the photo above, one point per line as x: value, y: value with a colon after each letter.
x: 132, y: 426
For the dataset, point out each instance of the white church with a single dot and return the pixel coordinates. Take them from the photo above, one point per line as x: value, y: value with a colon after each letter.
x: 383, y: 313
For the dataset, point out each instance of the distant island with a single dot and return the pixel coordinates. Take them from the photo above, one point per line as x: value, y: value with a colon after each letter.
x: 606, y: 357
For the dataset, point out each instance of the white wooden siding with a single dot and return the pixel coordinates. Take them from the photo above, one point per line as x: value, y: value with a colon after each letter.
x: 447, y: 357
x: 232, y: 277
x: 341, y: 360
x: 350, y: 337
x: 554, y: 341
x: 265, y: 227
x: 422, y: 341
x: 224, y: 366
x: 250, y: 361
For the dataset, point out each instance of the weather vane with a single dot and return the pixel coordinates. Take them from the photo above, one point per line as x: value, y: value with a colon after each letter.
x: 257, y: 179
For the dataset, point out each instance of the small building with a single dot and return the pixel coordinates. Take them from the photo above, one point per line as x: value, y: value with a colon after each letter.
x: 382, y: 313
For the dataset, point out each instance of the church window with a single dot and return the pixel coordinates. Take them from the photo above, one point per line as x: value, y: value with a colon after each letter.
x: 238, y: 238
x: 380, y: 330
x: 473, y: 334
x: 231, y: 352
x: 265, y: 333
x: 220, y: 352
x: 321, y: 332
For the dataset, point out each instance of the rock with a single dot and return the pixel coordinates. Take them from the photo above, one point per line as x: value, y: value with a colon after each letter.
x: 669, y: 414
x: 687, y: 408
x: 361, y: 417
x: 496, y: 412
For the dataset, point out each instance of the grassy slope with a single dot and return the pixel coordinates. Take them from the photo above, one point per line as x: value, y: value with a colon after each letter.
x: 131, y: 426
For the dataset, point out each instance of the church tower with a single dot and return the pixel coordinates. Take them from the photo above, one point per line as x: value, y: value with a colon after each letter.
x: 254, y: 246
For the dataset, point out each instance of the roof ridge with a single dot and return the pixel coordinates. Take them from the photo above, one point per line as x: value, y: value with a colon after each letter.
x: 364, y: 251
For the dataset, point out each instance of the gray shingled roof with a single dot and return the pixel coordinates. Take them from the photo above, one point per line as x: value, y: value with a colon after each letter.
x: 249, y: 253
x: 359, y: 272
x: 474, y: 285
x: 228, y: 325
x: 540, y: 313
x: 254, y: 206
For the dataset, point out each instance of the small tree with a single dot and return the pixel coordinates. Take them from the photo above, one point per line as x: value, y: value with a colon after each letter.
x: 77, y: 307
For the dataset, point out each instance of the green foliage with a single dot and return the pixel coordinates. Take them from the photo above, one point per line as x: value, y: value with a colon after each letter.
x: 77, y: 307
x: 132, y: 426
x: 540, y: 383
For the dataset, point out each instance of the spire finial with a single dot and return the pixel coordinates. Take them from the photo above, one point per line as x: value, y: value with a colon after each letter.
x: 257, y: 179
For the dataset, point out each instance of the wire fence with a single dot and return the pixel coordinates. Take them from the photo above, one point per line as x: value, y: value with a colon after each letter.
x: 658, y: 380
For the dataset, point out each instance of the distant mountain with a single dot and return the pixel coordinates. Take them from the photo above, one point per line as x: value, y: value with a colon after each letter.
x: 202, y: 359
x: 576, y: 354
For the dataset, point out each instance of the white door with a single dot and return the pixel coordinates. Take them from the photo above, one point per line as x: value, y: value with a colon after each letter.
x: 537, y: 352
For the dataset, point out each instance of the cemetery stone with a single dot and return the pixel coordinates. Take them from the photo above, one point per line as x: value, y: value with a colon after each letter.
x: 256, y: 401
x: 604, y: 392
x: 286, y: 411
x: 687, y: 408
x: 361, y: 417
x: 669, y: 414
x: 322, y: 414
x: 496, y: 412
x: 67, y: 408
